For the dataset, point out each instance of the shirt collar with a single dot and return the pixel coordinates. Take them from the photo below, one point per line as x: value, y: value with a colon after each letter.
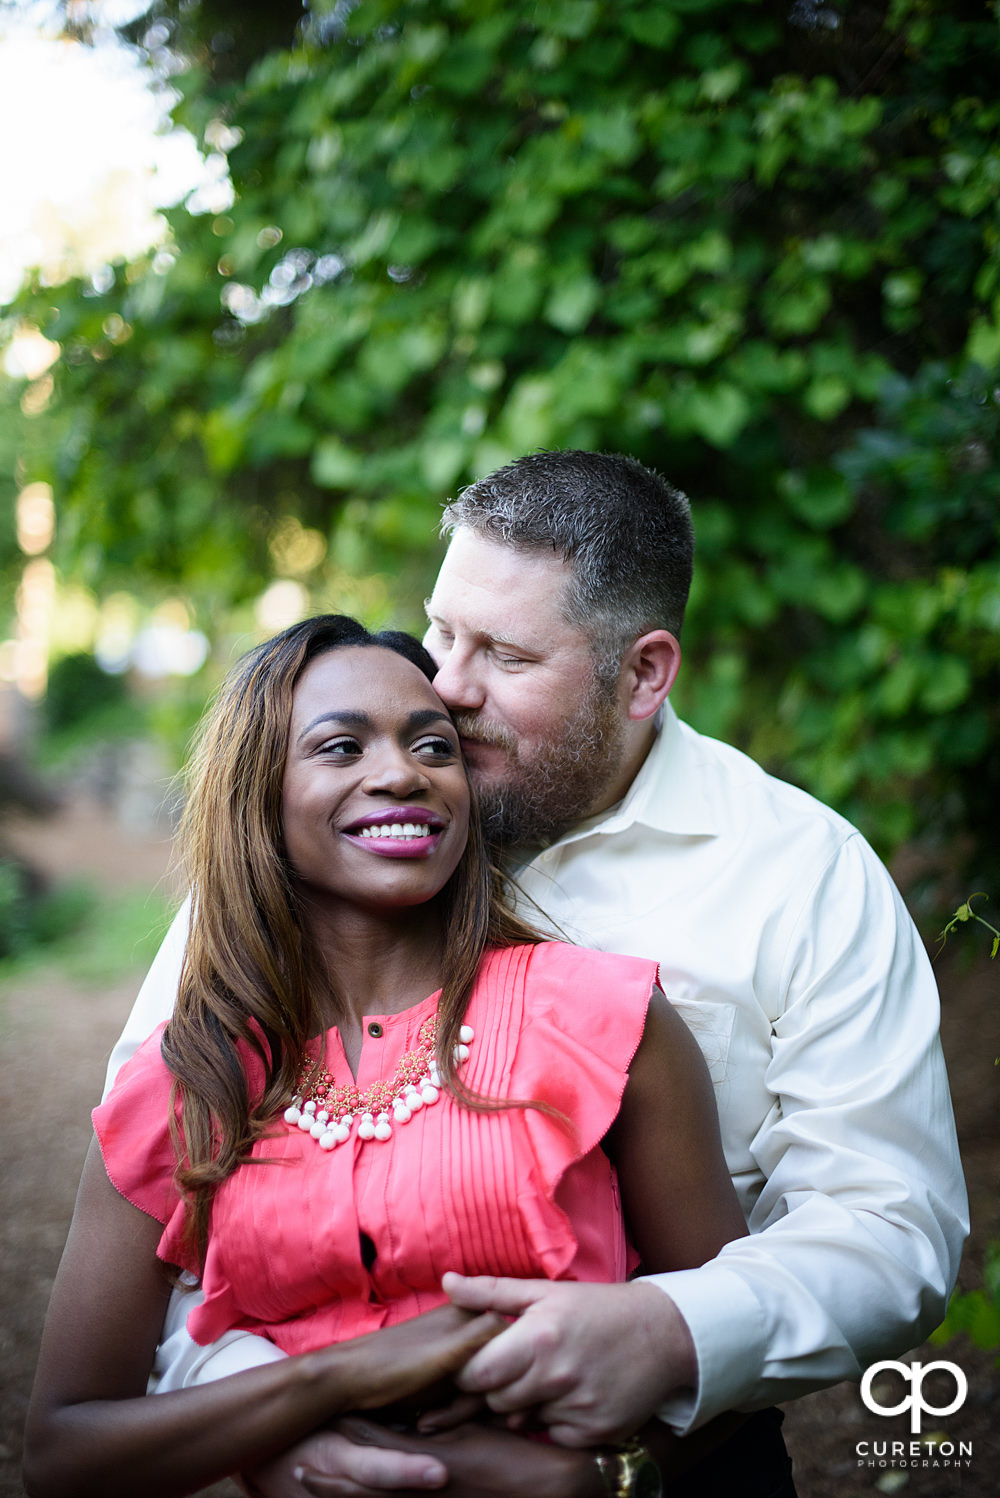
x: 670, y: 792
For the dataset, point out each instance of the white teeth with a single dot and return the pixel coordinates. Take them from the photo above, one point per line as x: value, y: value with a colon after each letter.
x: 396, y: 829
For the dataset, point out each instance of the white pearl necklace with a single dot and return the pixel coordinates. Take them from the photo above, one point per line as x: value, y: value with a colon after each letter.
x: 330, y: 1112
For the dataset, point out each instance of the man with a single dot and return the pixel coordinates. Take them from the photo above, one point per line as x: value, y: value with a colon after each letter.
x: 555, y: 621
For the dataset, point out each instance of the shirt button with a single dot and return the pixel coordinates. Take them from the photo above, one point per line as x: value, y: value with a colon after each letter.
x: 375, y: 1029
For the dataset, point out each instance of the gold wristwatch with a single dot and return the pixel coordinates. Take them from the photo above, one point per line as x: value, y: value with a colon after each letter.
x: 630, y: 1471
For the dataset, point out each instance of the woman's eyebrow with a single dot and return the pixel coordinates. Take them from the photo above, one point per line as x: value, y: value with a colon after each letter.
x: 348, y: 716
x: 427, y: 715
x: 352, y: 718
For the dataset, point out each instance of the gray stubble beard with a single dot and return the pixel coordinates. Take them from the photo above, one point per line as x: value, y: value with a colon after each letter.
x: 547, y: 795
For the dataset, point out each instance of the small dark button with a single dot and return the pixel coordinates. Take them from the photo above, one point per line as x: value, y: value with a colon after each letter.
x: 375, y: 1029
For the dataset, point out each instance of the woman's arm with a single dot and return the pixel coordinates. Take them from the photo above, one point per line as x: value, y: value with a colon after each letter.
x: 92, y: 1430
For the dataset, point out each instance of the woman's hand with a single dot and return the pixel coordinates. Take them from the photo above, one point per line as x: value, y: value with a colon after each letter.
x: 481, y: 1461
x: 401, y: 1371
x: 459, y: 1410
x: 418, y: 1356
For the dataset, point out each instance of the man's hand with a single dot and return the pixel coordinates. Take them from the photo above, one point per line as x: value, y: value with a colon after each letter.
x: 593, y: 1361
x: 345, y: 1468
x: 482, y: 1462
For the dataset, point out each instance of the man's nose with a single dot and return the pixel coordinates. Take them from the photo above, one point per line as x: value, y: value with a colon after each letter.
x: 457, y: 682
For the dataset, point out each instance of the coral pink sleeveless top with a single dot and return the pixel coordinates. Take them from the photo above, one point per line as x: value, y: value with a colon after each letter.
x: 513, y: 1193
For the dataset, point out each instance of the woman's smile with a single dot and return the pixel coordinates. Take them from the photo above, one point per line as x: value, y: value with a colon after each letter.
x: 398, y: 832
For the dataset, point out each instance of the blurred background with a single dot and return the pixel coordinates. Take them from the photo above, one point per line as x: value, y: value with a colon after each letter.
x: 276, y: 279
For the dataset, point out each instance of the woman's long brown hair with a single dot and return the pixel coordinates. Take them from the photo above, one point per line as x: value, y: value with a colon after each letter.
x: 252, y: 973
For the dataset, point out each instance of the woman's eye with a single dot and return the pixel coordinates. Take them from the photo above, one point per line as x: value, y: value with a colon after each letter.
x: 437, y: 748
x: 340, y: 748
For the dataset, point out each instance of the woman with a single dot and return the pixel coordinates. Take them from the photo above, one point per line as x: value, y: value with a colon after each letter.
x: 376, y: 1073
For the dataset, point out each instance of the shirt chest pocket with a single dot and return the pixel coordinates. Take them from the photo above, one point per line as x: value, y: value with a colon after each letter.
x: 712, y: 1026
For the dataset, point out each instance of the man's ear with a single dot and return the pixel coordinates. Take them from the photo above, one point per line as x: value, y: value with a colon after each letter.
x: 648, y: 672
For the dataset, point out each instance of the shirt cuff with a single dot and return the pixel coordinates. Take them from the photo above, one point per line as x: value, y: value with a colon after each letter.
x: 727, y: 1326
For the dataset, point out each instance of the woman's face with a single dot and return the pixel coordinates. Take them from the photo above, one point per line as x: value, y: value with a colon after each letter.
x: 375, y: 805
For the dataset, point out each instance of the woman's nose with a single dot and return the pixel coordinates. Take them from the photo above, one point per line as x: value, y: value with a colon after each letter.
x: 395, y: 772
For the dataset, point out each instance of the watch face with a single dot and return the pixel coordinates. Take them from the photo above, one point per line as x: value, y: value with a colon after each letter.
x: 647, y: 1482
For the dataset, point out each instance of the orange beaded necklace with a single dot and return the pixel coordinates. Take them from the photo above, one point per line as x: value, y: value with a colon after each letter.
x: 331, y: 1110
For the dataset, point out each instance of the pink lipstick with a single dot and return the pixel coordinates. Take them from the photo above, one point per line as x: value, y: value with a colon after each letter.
x: 397, y: 832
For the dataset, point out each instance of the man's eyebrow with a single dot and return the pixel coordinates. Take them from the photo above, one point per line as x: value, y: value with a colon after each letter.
x: 351, y: 718
x: 487, y: 636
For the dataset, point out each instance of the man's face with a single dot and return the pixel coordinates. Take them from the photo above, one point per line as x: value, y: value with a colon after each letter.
x: 542, y: 737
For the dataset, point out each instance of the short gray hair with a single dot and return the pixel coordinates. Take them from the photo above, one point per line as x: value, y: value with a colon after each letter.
x: 625, y: 531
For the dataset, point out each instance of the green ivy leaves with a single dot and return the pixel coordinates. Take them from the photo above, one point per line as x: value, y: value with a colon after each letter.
x: 763, y: 258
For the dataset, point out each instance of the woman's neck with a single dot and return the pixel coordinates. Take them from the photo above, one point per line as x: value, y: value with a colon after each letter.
x: 380, y: 962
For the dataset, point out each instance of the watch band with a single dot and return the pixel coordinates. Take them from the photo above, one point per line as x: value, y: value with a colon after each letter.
x: 626, y: 1467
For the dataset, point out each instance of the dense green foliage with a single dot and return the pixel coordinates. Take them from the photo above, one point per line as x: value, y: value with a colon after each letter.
x: 755, y: 244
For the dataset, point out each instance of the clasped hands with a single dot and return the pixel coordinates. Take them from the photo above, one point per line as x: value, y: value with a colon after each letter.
x: 591, y: 1363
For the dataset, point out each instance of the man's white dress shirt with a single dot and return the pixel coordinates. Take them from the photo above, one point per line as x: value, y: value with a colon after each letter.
x: 786, y: 947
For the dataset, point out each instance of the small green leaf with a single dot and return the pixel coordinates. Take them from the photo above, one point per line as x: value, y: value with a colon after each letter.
x: 655, y: 26
x: 826, y: 397
x: 948, y: 686
x: 572, y: 304
x: 820, y: 497
x: 719, y: 413
x: 334, y: 465
x: 983, y: 345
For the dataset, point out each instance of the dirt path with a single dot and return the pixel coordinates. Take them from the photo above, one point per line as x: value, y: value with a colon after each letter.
x: 55, y: 1042
x: 55, y: 1039
x: 55, y: 1036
